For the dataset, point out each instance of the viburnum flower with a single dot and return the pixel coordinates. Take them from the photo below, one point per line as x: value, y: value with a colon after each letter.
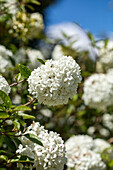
x: 4, y: 86
x: 36, y: 25
x: 50, y: 156
x: 98, y: 91
x: 101, y: 145
x: 84, y: 159
x: 4, y: 59
x: 33, y: 54
x: 81, y: 152
x: 28, y: 55
x: 27, y: 26
x: 57, y: 52
x: 55, y: 82
x: 107, y: 120
x: 12, y: 6
x: 105, y: 53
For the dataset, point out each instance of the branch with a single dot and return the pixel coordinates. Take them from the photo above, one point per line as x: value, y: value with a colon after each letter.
x: 30, y: 102
x: 14, y: 84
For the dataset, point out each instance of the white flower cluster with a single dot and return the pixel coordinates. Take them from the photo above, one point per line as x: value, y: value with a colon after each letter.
x: 50, y: 156
x: 4, y: 86
x: 107, y: 120
x: 12, y: 6
x: 55, y: 82
x: 4, y: 59
x: 30, y: 56
x: 105, y: 53
x: 36, y: 25
x: 20, y: 56
x: 27, y: 26
x: 57, y: 52
x: 82, y: 153
x: 98, y: 91
x: 33, y: 54
x: 101, y: 145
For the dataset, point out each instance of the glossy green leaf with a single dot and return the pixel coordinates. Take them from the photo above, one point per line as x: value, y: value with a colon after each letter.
x: 35, y: 2
x: 21, y: 108
x: 16, y: 123
x: 9, y: 143
x: 18, y: 77
x: 3, y: 115
x: 26, y: 72
x: 41, y: 61
x: 2, y: 151
x: 26, y: 116
x: 4, y: 157
x: 5, y: 98
x: 2, y: 108
x: 34, y: 139
x: 22, y: 158
x: 16, y: 140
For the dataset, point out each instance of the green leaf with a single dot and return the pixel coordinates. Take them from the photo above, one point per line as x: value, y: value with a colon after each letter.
x: 2, y: 108
x: 26, y: 72
x: 35, y: 104
x: 16, y: 140
x: 4, y: 115
x: 5, y: 98
x: 35, y: 2
x: 18, y: 77
x: 22, y: 158
x: 2, y: 151
x: 30, y: 7
x: 34, y: 139
x: 22, y: 122
x: 26, y: 116
x: 21, y: 108
x: 41, y: 61
x: 106, y: 42
x: 4, y: 157
x: 17, y: 124
x: 9, y: 143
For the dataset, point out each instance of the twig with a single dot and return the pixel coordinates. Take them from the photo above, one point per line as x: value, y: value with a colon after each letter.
x: 30, y: 102
x: 14, y: 84
x: 110, y: 140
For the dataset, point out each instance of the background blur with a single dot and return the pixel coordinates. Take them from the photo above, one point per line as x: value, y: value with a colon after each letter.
x: 93, y: 15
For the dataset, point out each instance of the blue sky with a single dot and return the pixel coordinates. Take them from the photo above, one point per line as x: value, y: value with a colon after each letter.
x: 93, y: 15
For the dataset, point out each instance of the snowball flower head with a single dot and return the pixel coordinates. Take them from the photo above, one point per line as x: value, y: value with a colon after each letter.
x: 20, y: 56
x: 4, y: 59
x: 107, y: 120
x: 50, y: 156
x: 98, y: 91
x: 12, y: 6
x: 79, y: 141
x: 4, y: 86
x: 36, y: 25
x: 105, y: 53
x: 28, y: 55
x: 80, y: 154
x: 85, y: 159
x: 33, y: 54
x: 55, y: 82
x: 57, y: 52
x: 101, y: 145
